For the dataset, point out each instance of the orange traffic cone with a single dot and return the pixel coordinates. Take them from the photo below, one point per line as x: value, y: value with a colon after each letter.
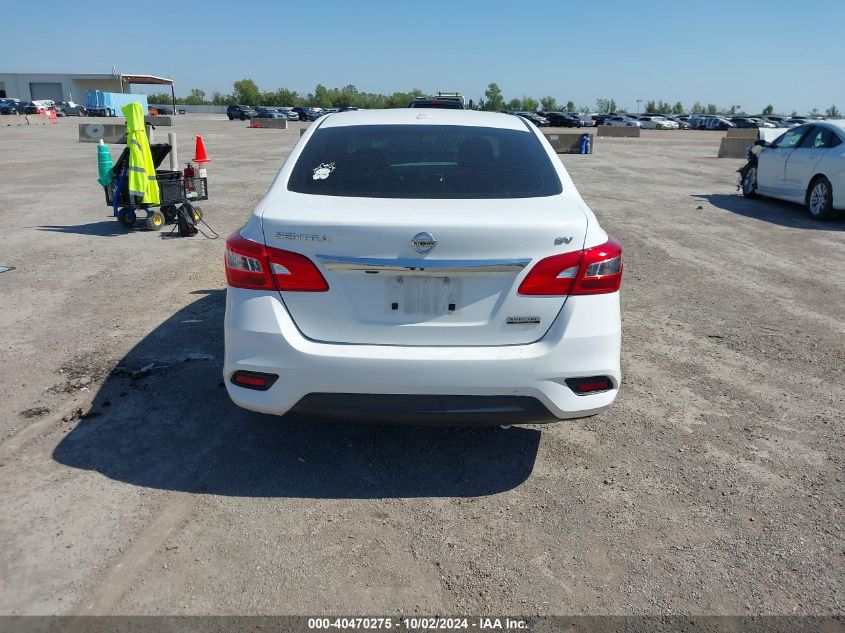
x: 199, y: 153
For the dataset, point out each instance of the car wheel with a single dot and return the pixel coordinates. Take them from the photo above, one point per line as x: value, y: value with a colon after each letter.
x: 231, y: 118
x: 749, y: 183
x: 820, y: 199
x: 243, y: 117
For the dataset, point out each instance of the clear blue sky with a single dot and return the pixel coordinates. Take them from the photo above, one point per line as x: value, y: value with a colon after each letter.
x: 749, y: 53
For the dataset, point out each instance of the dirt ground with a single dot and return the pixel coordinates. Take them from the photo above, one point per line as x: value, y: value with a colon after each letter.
x: 714, y: 485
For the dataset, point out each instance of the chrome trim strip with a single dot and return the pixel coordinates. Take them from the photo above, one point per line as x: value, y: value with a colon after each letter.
x: 422, y: 266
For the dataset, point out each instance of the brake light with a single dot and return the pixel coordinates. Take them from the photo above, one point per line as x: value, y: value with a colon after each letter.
x: 259, y: 267
x: 595, y: 270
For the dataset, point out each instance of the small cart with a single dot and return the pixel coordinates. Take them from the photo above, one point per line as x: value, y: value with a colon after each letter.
x: 174, y: 190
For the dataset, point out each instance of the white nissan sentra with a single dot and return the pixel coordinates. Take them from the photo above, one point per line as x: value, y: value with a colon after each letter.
x: 423, y: 266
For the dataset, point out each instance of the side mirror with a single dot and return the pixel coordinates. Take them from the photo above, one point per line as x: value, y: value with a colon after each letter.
x: 761, y: 143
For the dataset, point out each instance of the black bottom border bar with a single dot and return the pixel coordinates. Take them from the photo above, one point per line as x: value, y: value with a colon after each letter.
x: 415, y: 623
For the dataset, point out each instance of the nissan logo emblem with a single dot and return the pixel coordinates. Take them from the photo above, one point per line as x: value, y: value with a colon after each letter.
x: 423, y: 243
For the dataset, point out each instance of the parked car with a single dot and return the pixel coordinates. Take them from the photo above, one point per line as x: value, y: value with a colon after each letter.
x: 657, y: 122
x: 744, y: 122
x: 11, y: 106
x: 357, y: 292
x: 536, y: 119
x: 164, y: 110
x: 241, y: 112
x: 761, y: 122
x: 622, y: 121
x: 699, y: 121
x: 805, y: 164
x: 69, y: 108
x: 269, y: 113
x: 682, y: 121
x: 586, y: 119
x: 561, y: 119
x: 34, y: 107
x: 719, y: 123
x: 601, y: 119
x: 288, y: 113
x: 308, y: 114
x: 777, y: 121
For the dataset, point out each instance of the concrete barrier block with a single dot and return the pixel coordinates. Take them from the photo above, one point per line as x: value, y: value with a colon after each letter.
x: 742, y: 132
x: 618, y: 131
x: 735, y: 147
x: 275, y: 124
x: 565, y: 142
x: 158, y: 120
x: 107, y: 132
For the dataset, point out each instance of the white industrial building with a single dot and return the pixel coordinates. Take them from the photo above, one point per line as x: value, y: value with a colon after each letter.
x: 70, y: 87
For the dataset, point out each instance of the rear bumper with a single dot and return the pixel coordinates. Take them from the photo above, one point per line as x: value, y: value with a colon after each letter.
x: 584, y: 340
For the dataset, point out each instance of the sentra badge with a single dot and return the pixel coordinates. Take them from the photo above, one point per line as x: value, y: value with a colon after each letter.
x: 304, y: 237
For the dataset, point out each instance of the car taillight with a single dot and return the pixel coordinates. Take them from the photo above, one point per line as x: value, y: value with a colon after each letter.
x: 592, y: 271
x: 259, y: 267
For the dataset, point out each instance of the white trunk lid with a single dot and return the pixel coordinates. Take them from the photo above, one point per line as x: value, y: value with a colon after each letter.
x: 462, y: 292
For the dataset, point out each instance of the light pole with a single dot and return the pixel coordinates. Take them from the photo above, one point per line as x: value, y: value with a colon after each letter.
x: 639, y: 101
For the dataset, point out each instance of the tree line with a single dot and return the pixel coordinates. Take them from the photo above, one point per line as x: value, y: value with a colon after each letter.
x: 246, y: 91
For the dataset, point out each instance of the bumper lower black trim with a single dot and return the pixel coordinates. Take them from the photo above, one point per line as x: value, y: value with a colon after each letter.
x: 422, y: 410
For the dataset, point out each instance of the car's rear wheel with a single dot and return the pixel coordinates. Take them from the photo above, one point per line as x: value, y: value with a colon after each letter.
x: 749, y: 183
x: 820, y: 199
x: 231, y: 118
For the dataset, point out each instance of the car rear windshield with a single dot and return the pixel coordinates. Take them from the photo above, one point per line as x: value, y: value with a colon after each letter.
x: 447, y: 104
x: 424, y: 161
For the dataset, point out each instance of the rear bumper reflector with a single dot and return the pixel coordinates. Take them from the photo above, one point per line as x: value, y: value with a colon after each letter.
x: 591, y: 384
x: 253, y: 380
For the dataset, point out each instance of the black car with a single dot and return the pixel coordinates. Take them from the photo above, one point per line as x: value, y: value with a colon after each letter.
x: 163, y: 110
x: 561, y: 119
x: 536, y: 119
x: 241, y: 112
x: 741, y: 121
x: 11, y: 106
x: 307, y: 114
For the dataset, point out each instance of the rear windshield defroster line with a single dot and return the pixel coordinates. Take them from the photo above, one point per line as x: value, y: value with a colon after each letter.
x: 424, y: 161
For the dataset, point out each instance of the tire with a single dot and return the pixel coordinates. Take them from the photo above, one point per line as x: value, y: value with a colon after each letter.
x: 749, y: 183
x: 231, y: 118
x: 169, y: 213
x: 243, y: 117
x: 155, y: 221
x: 126, y: 217
x: 820, y: 200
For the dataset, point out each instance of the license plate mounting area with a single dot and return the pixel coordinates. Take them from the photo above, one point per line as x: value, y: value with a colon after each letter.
x: 414, y: 294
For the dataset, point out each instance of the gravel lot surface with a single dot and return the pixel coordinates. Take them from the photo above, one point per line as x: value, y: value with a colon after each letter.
x: 714, y: 485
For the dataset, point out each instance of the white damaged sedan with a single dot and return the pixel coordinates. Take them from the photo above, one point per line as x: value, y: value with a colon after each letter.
x: 423, y: 266
x: 805, y: 164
